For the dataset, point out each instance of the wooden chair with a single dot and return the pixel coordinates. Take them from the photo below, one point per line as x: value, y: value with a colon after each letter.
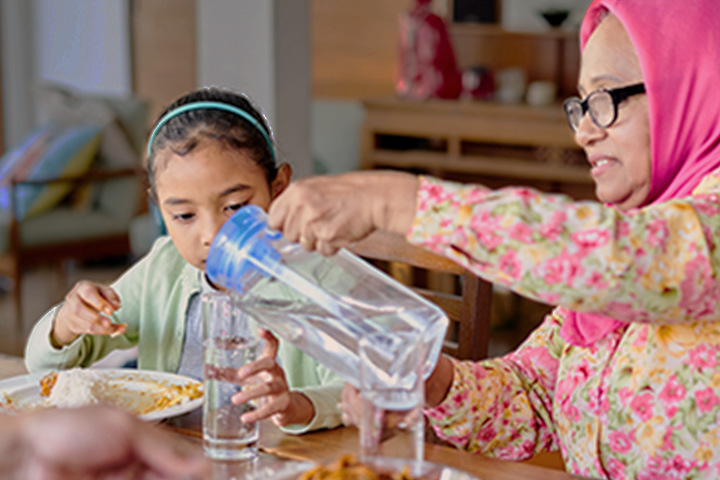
x: 53, y: 252
x: 468, y: 338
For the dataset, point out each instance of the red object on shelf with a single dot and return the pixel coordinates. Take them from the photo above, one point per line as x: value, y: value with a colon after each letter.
x: 427, y: 61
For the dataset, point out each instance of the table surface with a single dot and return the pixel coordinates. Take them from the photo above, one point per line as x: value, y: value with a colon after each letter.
x: 276, y: 448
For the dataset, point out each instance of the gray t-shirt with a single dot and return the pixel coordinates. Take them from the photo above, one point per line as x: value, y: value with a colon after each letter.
x: 191, y: 360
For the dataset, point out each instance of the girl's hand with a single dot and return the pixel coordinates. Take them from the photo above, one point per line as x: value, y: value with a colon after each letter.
x: 265, y: 381
x: 329, y: 212
x: 86, y: 310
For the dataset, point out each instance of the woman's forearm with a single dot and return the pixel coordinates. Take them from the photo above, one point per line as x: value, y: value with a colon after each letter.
x: 438, y: 384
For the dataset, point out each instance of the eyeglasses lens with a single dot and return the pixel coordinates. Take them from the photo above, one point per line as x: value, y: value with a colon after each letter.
x: 574, y: 112
x: 602, y: 110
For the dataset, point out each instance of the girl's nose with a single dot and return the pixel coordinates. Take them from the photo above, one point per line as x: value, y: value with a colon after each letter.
x: 210, y: 229
x: 587, y: 132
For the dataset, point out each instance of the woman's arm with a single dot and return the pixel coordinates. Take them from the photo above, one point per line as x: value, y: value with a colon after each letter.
x: 500, y: 407
x: 659, y: 263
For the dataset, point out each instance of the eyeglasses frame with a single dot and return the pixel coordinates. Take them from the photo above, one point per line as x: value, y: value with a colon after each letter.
x: 616, y: 94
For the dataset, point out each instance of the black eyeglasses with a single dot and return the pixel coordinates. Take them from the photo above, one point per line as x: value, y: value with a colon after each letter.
x: 601, y: 104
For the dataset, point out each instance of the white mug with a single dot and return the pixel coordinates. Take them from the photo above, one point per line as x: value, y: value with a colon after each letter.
x: 541, y: 93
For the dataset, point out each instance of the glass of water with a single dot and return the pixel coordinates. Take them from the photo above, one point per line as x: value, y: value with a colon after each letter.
x: 392, y: 390
x: 229, y: 343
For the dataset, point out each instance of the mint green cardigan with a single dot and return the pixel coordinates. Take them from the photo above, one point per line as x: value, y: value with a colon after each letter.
x: 155, y: 295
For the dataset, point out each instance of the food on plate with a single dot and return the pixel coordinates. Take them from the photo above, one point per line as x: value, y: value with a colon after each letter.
x: 349, y: 467
x: 139, y: 392
x: 73, y: 388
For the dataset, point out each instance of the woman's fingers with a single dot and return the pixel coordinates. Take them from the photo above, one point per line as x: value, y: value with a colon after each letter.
x: 351, y: 405
x: 328, y: 212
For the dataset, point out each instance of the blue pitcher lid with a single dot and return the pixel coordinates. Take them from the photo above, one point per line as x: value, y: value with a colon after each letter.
x: 238, y: 248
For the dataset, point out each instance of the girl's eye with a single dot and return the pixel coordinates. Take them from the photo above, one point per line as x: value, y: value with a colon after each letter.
x: 183, y: 217
x: 236, y: 206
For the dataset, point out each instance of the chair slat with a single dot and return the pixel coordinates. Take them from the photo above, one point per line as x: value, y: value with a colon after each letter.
x: 471, y: 310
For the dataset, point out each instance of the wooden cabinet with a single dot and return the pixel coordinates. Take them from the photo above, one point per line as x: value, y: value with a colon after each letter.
x: 484, y: 142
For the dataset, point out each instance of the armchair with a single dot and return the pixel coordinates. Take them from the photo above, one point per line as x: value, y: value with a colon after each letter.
x: 66, y: 233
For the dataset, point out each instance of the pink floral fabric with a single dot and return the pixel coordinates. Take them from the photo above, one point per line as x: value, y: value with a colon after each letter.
x: 641, y: 402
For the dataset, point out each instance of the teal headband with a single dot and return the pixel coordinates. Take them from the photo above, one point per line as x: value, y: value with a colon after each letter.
x: 214, y: 105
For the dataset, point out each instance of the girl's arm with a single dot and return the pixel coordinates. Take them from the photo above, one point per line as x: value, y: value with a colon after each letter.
x: 501, y: 407
x: 656, y: 264
x: 41, y: 354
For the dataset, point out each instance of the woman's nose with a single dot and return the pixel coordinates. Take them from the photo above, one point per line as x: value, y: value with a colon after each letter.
x: 587, y: 132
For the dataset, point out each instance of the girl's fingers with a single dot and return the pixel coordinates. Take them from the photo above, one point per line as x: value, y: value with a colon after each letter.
x: 267, y: 410
x: 256, y: 391
x: 270, y: 348
x: 263, y: 364
x: 110, y: 296
x: 94, y: 296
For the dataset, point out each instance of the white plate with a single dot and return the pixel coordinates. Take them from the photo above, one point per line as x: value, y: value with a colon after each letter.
x: 423, y: 471
x: 135, y: 390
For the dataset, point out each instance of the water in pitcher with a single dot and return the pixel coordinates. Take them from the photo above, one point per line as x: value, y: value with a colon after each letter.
x: 322, y: 305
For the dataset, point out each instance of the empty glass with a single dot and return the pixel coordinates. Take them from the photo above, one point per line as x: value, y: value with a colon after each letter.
x: 393, y: 395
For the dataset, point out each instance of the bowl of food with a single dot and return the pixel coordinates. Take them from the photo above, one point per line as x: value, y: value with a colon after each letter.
x: 350, y: 467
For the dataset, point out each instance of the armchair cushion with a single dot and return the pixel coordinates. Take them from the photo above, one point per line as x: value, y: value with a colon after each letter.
x: 49, y: 151
x: 70, y: 152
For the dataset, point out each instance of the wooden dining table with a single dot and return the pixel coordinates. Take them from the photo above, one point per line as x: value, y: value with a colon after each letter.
x: 277, y: 448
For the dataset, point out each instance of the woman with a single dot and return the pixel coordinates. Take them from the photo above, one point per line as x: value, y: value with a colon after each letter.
x: 621, y: 377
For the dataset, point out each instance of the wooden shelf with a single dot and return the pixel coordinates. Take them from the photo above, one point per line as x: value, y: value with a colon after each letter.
x: 493, y: 166
x: 510, y: 144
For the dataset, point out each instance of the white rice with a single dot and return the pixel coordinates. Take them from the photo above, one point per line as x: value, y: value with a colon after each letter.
x: 76, y: 387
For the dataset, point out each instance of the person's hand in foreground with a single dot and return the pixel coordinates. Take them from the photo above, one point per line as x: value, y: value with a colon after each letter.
x: 265, y: 381
x: 329, y: 212
x: 436, y: 389
x: 94, y: 442
x: 86, y: 310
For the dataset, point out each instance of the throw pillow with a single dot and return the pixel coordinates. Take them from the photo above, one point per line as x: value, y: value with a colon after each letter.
x: 70, y: 151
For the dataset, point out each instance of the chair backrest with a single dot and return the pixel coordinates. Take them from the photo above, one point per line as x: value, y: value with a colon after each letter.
x: 470, y: 311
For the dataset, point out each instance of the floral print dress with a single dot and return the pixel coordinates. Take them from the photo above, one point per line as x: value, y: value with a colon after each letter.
x: 643, y: 401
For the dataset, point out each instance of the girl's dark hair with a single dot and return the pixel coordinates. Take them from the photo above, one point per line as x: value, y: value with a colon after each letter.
x: 183, y: 133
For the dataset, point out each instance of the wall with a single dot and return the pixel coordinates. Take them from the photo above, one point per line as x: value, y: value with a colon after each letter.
x: 84, y: 44
x: 524, y: 15
x: 18, y: 69
x: 262, y: 49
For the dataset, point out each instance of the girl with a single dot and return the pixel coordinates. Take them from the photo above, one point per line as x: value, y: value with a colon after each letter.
x: 210, y: 154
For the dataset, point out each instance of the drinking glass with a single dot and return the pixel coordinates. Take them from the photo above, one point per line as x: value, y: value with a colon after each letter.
x: 393, y: 394
x: 229, y: 343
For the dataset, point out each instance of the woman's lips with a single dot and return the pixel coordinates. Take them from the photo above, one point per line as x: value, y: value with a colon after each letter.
x: 600, y: 164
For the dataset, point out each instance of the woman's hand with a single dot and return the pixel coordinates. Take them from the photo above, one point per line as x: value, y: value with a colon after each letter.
x: 86, y: 310
x: 437, y: 387
x: 329, y: 212
x: 96, y: 442
x: 265, y: 381
x: 351, y: 405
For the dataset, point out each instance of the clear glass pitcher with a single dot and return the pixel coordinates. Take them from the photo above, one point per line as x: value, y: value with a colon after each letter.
x: 322, y: 305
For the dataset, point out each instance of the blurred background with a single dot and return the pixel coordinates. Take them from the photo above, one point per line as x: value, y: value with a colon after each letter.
x: 323, y: 71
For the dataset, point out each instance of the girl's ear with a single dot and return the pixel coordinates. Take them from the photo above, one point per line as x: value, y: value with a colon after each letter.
x: 282, y: 180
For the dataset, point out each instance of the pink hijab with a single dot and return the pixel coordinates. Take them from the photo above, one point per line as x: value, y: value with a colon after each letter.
x: 678, y: 43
